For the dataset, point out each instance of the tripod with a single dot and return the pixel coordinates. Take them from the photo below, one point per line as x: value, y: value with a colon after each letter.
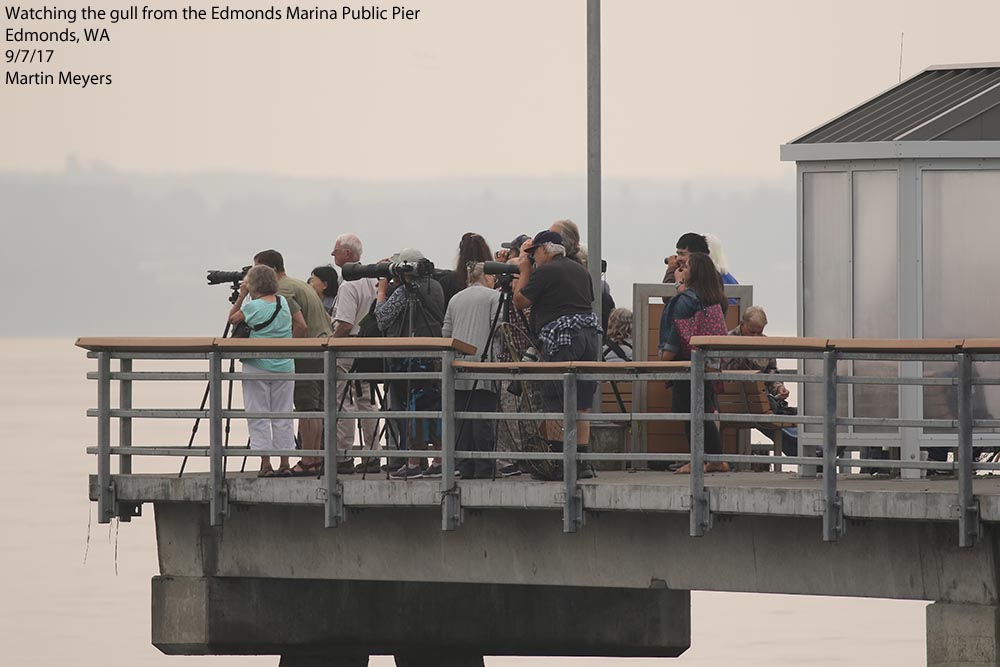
x: 233, y: 296
x: 402, y: 394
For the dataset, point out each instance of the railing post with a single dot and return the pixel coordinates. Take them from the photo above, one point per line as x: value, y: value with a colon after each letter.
x: 833, y: 517
x: 451, y: 501
x: 125, y: 423
x: 105, y: 494
x: 217, y: 471
x: 968, y: 518
x: 573, y: 507
x: 701, y: 520
x: 125, y: 511
x: 333, y: 504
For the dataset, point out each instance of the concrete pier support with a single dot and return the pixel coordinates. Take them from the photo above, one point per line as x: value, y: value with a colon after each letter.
x: 292, y: 660
x: 336, y: 623
x: 963, y: 635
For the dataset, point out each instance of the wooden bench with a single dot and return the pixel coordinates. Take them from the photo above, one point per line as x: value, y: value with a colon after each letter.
x: 749, y: 397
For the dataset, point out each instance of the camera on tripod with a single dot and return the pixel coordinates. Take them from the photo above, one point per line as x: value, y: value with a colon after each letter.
x: 356, y: 270
x: 220, y: 277
x: 234, y: 278
x: 501, y: 269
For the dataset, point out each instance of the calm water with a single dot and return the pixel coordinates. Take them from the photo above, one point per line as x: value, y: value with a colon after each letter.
x: 57, y: 608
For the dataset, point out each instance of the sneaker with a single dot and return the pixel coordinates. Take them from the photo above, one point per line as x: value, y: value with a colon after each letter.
x: 368, y: 465
x: 551, y: 473
x: 407, y: 472
x: 585, y: 472
x: 346, y: 467
x: 434, y: 470
x: 510, y: 470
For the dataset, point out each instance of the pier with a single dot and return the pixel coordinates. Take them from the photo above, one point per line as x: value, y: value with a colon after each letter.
x: 329, y: 570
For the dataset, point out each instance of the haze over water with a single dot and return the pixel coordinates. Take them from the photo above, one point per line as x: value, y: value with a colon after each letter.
x: 57, y: 609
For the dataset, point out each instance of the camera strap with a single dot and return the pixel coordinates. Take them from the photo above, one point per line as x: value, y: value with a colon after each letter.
x: 264, y: 325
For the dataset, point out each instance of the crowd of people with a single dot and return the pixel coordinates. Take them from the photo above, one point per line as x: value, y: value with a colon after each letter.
x: 530, y: 300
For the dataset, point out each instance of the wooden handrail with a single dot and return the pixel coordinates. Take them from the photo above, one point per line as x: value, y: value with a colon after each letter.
x: 207, y: 344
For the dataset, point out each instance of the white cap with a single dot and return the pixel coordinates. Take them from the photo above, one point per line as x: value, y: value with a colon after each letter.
x: 409, y: 255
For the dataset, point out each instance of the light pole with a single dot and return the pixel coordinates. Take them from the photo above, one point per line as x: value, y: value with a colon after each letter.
x: 594, y: 250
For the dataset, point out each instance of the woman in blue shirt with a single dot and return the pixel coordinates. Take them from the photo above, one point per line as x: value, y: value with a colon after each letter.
x: 268, y: 316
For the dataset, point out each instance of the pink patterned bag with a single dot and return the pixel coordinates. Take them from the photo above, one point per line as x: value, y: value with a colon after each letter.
x: 706, y: 322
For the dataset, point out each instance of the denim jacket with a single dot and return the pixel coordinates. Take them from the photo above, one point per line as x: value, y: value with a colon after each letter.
x: 681, y: 307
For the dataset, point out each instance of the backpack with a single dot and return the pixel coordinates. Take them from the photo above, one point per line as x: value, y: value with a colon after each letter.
x: 368, y: 328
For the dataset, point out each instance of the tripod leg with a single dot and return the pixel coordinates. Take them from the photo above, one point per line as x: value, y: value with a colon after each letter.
x: 243, y: 466
x: 229, y: 406
x: 194, y: 429
x: 208, y: 386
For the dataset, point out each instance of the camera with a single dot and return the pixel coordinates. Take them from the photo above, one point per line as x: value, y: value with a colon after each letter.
x: 357, y: 270
x: 501, y: 269
x: 219, y: 277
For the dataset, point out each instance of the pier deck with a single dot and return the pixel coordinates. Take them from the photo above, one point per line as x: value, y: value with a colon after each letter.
x: 752, y: 493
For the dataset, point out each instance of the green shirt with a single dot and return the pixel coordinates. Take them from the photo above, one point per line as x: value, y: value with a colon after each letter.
x: 303, y: 298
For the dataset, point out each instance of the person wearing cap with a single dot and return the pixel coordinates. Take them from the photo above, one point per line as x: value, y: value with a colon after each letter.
x: 393, y: 317
x: 511, y: 249
x: 560, y: 293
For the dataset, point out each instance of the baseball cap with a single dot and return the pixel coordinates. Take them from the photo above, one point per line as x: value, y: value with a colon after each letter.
x: 547, y: 236
x: 516, y: 243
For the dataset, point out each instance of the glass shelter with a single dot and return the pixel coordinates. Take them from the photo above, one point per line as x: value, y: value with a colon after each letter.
x: 898, y: 209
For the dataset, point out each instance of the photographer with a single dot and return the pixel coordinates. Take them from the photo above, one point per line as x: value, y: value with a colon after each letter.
x: 309, y: 320
x: 512, y: 249
x: 560, y: 293
x: 412, y: 295
x: 266, y: 312
x: 354, y: 300
x: 468, y: 319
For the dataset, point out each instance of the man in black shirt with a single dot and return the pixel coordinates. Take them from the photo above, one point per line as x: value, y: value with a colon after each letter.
x: 559, y: 293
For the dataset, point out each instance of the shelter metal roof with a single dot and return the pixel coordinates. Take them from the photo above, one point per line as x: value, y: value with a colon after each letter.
x: 945, y: 102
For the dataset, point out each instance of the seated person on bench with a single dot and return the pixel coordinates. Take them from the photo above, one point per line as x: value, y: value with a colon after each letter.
x: 752, y: 324
x: 618, y: 340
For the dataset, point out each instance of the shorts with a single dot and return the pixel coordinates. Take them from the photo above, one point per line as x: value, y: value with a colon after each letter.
x: 585, y: 346
x: 308, y: 395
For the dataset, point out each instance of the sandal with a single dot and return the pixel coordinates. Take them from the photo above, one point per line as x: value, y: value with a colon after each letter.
x: 302, y: 469
x: 266, y: 472
x: 283, y: 471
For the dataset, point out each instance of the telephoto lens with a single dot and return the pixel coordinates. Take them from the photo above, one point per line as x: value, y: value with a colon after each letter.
x: 219, y: 277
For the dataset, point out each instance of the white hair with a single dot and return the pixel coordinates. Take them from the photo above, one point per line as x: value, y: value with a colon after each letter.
x: 555, y: 249
x: 756, y: 315
x: 351, y: 242
x: 716, y: 252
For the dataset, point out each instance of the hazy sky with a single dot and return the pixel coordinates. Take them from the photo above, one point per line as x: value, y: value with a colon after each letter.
x: 480, y: 88
x: 470, y: 118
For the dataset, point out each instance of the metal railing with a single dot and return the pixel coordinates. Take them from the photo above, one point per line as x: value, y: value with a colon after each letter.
x: 698, y: 372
